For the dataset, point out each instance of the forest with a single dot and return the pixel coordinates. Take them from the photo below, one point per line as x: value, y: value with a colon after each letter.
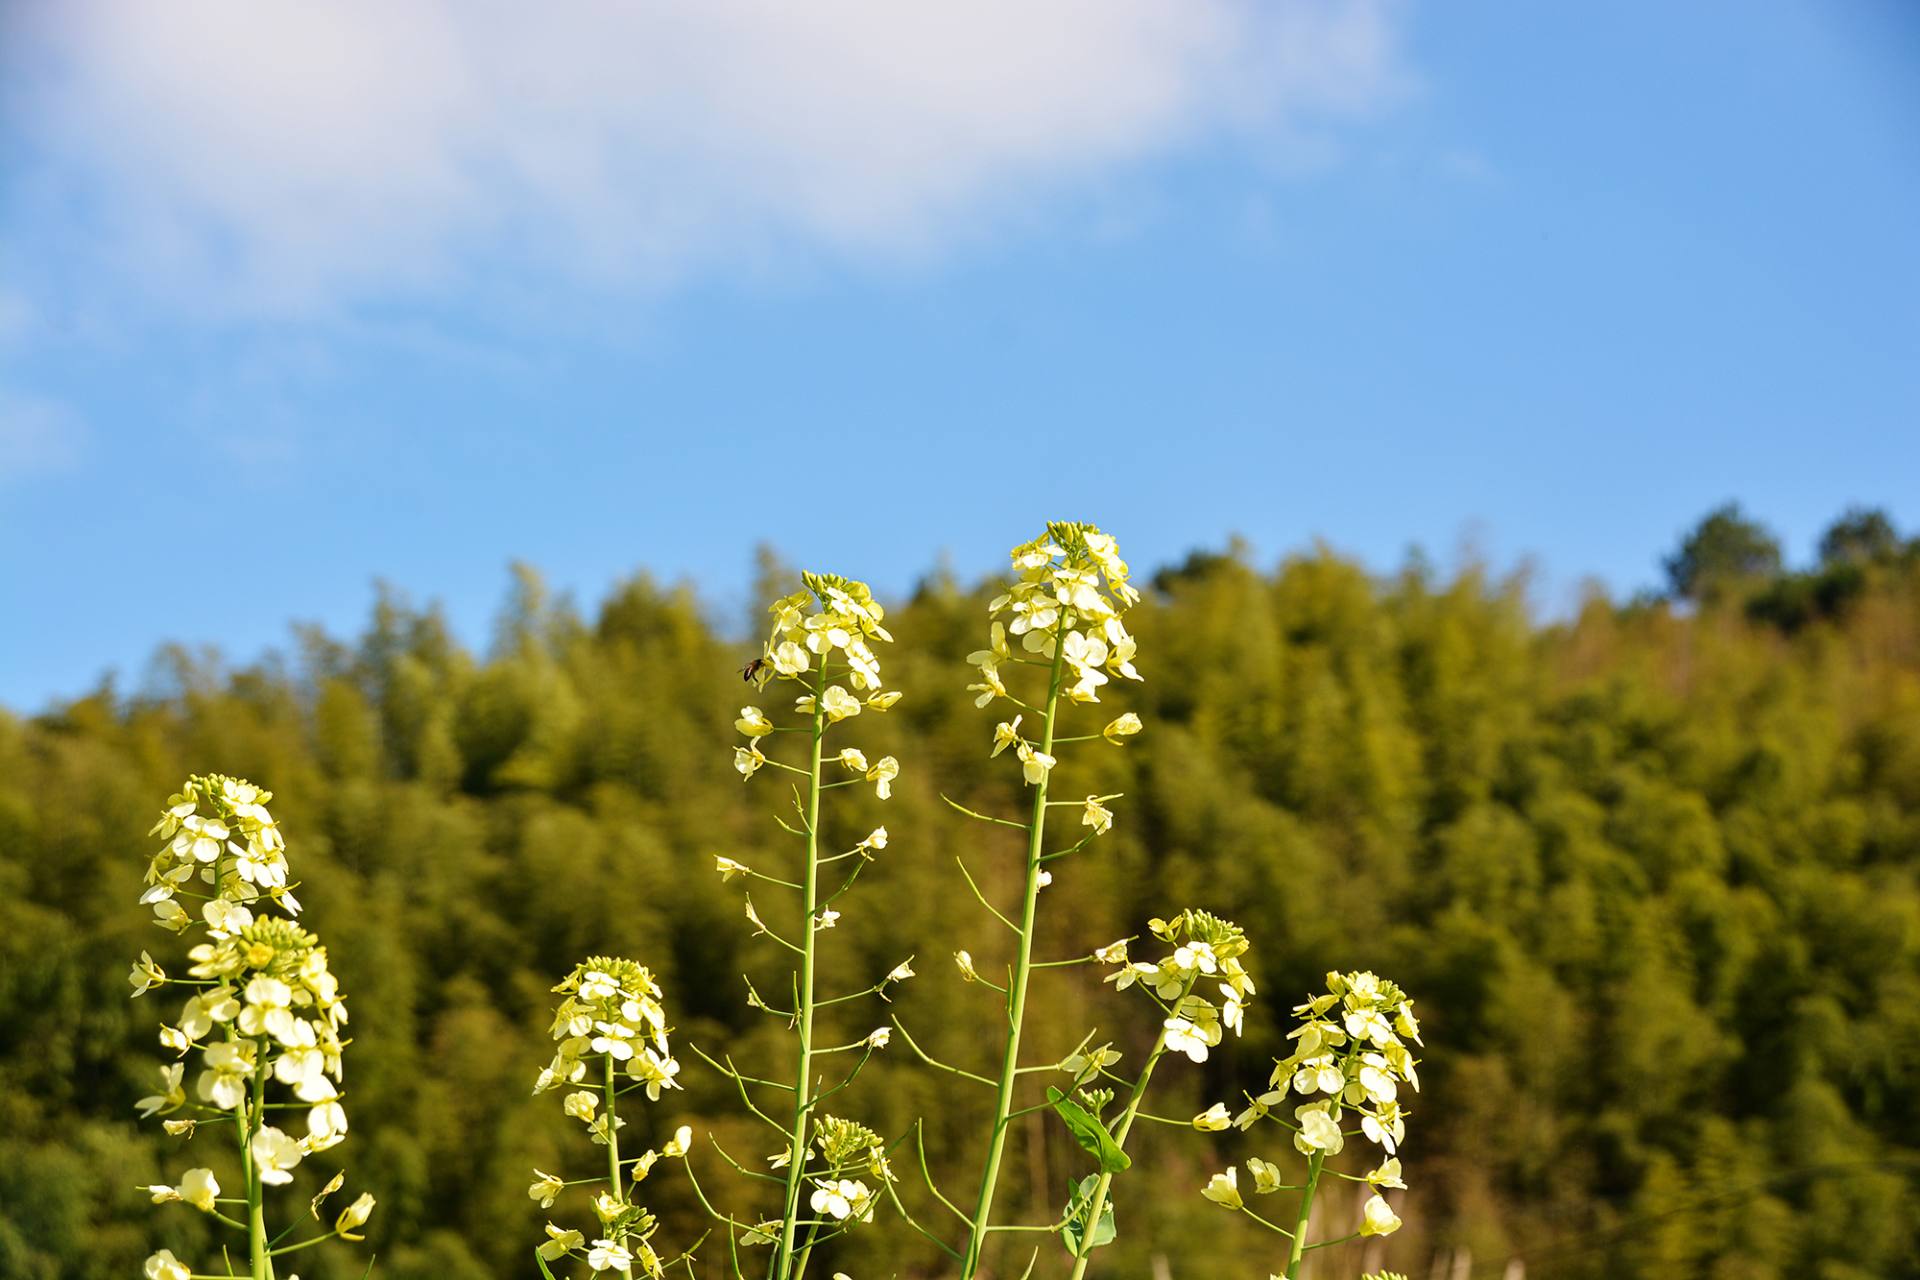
x: 1647, y: 866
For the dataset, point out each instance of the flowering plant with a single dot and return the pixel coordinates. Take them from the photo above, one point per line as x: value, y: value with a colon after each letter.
x: 821, y: 643
x: 609, y: 1023
x: 1062, y: 617
x: 264, y: 1022
x: 1348, y: 1050
x: 265, y: 1017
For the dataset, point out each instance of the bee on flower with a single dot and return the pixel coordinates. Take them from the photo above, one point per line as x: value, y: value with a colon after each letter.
x: 820, y: 635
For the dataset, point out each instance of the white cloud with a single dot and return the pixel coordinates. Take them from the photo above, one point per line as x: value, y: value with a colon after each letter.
x: 38, y: 436
x: 285, y: 154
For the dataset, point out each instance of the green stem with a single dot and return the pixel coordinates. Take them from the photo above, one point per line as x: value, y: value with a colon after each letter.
x: 803, y: 1071
x: 613, y: 1155
x: 1306, y: 1208
x: 259, y: 1253
x: 805, y: 1254
x: 1335, y: 1106
x: 1098, y: 1201
x: 306, y: 1244
x: 1017, y: 992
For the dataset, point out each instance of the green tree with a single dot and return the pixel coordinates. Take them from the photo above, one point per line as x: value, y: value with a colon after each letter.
x: 1724, y: 552
x: 1863, y: 535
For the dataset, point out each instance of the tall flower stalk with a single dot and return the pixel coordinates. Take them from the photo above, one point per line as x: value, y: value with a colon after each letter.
x: 1350, y: 1052
x: 821, y: 644
x: 611, y: 1029
x: 1061, y: 618
x: 265, y: 1018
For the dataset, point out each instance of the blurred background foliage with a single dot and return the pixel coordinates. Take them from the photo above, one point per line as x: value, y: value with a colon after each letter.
x: 1649, y: 870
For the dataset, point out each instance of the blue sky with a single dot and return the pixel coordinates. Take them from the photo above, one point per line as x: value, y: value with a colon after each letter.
x: 292, y: 302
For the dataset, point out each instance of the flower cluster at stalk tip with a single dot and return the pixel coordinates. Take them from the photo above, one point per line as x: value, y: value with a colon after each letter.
x: 829, y: 624
x: 1201, y: 985
x: 265, y: 1008
x: 1348, y: 1048
x: 219, y: 837
x: 610, y: 1023
x: 611, y: 1008
x: 1064, y: 608
x: 1349, y: 1060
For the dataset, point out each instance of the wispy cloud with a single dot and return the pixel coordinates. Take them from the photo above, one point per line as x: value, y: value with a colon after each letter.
x: 282, y: 155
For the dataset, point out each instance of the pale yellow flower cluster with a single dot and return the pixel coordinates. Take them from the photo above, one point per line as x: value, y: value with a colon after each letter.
x: 272, y: 998
x: 842, y: 1148
x: 1201, y: 984
x: 1064, y: 610
x: 265, y: 1009
x: 611, y: 1014
x: 219, y: 838
x: 1350, y: 1052
x: 1348, y: 1047
x: 820, y: 637
x: 833, y: 614
x: 612, y: 1008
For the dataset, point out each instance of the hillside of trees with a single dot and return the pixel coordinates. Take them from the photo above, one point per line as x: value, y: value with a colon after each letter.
x: 1649, y: 870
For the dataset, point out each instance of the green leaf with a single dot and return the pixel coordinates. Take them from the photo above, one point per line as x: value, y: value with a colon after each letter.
x: 1090, y: 1133
x: 544, y: 1269
x: 1103, y: 1230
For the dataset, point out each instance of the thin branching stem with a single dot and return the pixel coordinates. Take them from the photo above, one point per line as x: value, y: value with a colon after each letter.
x: 733, y: 1246
x: 745, y: 1097
x: 1271, y: 1226
x: 901, y: 1209
x: 741, y: 1169
x: 998, y: 822
x: 999, y: 915
x: 851, y: 1077
x: 931, y: 1061
x: 926, y: 1174
x: 1148, y: 1115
